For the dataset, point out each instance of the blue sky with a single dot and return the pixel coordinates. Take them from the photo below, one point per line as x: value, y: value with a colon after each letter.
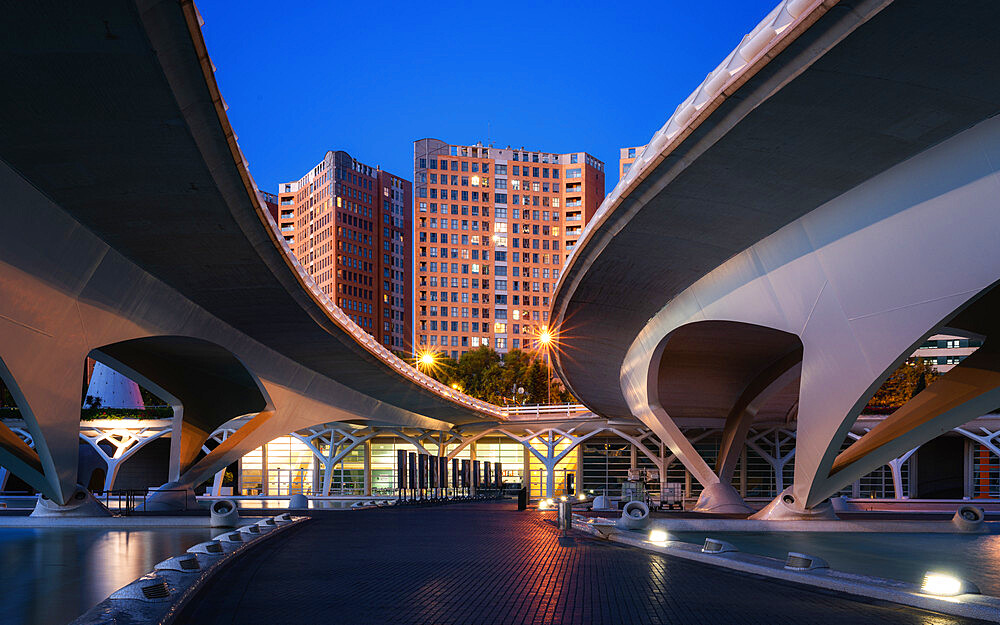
x: 301, y: 78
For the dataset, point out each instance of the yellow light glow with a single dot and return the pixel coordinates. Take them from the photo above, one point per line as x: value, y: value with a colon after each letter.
x: 563, y: 498
x: 657, y: 536
x: 941, y: 584
x: 455, y: 386
x: 545, y: 337
x: 582, y: 497
x: 427, y: 358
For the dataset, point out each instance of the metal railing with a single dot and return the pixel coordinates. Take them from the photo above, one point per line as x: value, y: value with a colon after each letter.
x: 547, y: 410
x: 123, y: 502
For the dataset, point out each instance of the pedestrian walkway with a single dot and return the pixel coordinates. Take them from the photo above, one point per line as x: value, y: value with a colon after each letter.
x: 471, y: 564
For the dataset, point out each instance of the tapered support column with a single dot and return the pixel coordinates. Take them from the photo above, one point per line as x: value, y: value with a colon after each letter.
x: 45, y: 377
x: 368, y: 468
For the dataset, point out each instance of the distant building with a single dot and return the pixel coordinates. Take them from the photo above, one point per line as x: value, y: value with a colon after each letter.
x: 270, y: 203
x: 349, y: 224
x: 944, y: 351
x: 494, y: 227
x: 626, y: 157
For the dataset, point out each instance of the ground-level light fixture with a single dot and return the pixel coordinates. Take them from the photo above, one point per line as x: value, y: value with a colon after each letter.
x: 657, y: 536
x: 945, y: 585
x: 563, y: 498
x: 581, y: 497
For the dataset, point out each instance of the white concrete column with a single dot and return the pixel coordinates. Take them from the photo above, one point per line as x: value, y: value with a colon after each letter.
x: 550, y: 469
x: 368, y: 468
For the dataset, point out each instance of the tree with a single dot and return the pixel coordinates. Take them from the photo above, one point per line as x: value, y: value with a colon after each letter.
x: 444, y: 369
x: 484, y: 374
x: 907, y: 380
x: 472, y: 368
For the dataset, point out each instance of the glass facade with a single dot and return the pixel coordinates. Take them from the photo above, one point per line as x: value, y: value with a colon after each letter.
x: 509, y: 453
x: 287, y: 466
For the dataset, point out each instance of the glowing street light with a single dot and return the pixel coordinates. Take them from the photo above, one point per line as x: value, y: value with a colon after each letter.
x: 545, y: 337
x: 426, y: 361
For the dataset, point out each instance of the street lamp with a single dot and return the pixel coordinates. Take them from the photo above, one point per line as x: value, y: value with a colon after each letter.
x: 426, y: 361
x: 545, y: 339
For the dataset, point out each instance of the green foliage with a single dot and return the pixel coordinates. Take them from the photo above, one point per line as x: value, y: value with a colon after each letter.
x: 149, y: 399
x: 150, y: 412
x: 100, y: 414
x: 517, y: 378
x: 907, y: 380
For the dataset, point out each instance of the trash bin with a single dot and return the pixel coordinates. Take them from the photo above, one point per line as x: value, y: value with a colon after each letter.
x: 522, y: 499
x: 565, y: 515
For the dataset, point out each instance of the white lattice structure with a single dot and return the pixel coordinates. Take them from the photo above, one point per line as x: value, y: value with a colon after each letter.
x: 115, y: 443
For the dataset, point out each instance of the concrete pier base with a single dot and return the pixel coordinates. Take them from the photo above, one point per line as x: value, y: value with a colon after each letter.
x: 171, y: 497
x: 785, y: 508
x: 81, y: 504
x: 721, y: 498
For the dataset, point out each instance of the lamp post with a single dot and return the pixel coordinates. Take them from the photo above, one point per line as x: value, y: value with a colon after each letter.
x: 545, y: 339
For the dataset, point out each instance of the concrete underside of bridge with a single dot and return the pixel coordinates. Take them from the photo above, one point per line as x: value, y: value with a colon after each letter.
x: 822, y: 218
x: 133, y: 234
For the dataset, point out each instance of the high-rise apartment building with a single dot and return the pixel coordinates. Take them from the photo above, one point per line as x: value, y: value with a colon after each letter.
x: 626, y: 157
x: 270, y: 201
x: 493, y: 229
x: 349, y: 224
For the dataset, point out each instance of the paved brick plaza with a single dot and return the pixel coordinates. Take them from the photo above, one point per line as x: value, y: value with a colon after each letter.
x: 488, y: 564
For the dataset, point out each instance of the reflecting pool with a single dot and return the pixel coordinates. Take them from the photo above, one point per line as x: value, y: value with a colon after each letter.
x: 906, y: 557
x: 50, y: 576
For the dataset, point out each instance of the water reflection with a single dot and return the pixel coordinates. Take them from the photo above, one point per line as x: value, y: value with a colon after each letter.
x: 907, y: 557
x: 50, y: 576
x: 282, y: 504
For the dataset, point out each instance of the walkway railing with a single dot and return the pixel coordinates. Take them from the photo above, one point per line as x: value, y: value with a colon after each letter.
x: 544, y: 410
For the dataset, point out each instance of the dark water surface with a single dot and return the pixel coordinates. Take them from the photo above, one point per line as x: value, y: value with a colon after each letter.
x: 51, y: 576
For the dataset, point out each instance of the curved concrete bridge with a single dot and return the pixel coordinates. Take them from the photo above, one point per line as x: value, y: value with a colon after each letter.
x: 822, y: 203
x: 132, y: 233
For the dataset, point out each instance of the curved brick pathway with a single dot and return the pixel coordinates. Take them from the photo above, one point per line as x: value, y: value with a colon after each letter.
x: 473, y: 564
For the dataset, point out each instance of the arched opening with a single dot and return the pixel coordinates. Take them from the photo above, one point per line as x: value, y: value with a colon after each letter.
x: 206, y: 381
x: 716, y: 380
x: 970, y: 389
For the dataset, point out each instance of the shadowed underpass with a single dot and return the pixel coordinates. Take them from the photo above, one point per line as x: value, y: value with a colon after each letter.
x: 488, y: 564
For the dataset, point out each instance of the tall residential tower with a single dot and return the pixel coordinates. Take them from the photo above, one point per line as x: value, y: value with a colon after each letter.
x: 626, y: 157
x: 349, y: 224
x: 493, y: 228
